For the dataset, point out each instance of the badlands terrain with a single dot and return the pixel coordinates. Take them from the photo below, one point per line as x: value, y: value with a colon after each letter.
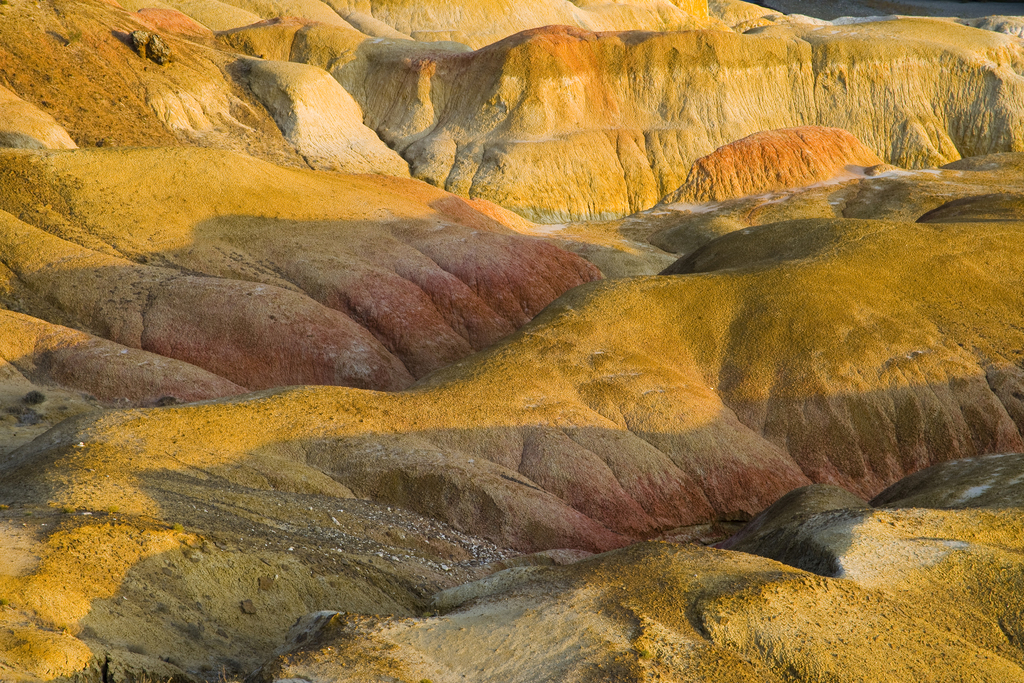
x: 436, y: 340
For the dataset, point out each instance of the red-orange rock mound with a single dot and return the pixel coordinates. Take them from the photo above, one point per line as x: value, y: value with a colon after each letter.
x: 773, y: 160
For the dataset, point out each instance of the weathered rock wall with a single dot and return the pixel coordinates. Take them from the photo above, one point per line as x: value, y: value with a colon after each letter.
x: 483, y: 23
x: 562, y: 124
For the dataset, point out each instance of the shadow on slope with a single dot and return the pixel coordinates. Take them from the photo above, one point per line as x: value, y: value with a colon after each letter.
x: 269, y: 276
x: 845, y: 352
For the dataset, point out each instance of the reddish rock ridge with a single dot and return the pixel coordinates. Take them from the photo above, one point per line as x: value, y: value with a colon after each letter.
x: 53, y: 354
x: 773, y: 160
x: 254, y: 335
x: 268, y: 276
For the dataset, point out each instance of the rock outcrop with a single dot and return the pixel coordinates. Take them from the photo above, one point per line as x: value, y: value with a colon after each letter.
x: 774, y: 160
x: 321, y: 119
x: 150, y: 46
x: 555, y: 123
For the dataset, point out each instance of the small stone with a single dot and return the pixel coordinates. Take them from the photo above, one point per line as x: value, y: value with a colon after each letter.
x: 140, y: 40
x: 33, y: 398
x: 266, y: 583
x: 248, y: 607
x: 158, y: 50
x: 151, y: 45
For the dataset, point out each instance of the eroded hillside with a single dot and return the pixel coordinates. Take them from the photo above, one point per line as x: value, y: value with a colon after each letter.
x: 294, y: 389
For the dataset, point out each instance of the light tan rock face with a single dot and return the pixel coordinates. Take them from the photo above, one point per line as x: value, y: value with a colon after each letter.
x: 214, y: 14
x: 267, y: 276
x: 321, y: 119
x: 23, y: 125
x: 479, y: 24
x: 560, y: 124
x: 1013, y: 26
x: 740, y: 16
x: 312, y: 10
x: 272, y: 39
x: 774, y: 160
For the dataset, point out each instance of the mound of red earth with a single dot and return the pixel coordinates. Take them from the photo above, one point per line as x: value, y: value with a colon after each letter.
x: 774, y: 160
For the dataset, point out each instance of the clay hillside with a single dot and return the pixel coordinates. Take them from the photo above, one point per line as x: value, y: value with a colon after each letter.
x: 511, y: 341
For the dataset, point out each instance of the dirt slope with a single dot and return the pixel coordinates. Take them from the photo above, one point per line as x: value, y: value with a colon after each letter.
x: 894, y: 594
x: 630, y: 408
x: 263, y: 275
